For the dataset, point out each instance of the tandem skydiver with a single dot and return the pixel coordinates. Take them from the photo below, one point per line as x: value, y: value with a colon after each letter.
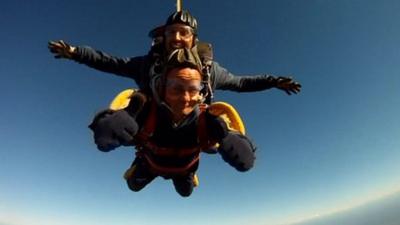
x: 171, y: 129
x: 117, y: 127
x: 179, y: 31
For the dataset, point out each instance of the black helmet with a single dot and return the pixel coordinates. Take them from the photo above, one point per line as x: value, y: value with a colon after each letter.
x: 179, y: 58
x: 183, y: 17
x: 183, y: 57
x: 157, y: 32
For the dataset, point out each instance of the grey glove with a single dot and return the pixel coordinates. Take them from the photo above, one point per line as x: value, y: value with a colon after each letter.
x: 61, y: 49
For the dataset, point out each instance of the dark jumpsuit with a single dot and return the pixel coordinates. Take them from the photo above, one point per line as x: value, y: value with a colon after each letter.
x: 170, y: 137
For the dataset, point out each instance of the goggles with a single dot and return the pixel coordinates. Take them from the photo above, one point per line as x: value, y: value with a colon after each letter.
x: 183, y: 31
x: 177, y: 87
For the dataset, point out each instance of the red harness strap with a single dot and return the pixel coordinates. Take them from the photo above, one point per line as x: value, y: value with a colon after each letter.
x: 204, y: 140
x: 149, y: 125
x: 167, y: 171
x: 147, y: 149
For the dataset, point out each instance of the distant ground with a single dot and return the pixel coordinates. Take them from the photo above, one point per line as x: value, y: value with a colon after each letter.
x: 385, y: 211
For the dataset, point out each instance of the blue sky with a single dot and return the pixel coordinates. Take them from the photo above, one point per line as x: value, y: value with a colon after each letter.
x: 332, y: 146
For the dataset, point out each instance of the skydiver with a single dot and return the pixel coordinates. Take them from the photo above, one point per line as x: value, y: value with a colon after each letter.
x: 174, y: 128
x: 179, y: 31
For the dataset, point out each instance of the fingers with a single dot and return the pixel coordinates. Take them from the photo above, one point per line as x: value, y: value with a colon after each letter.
x: 132, y: 128
x: 55, y: 44
x: 124, y: 135
x: 63, y: 44
x: 51, y: 43
x: 297, y: 87
x: 52, y: 47
x: 123, y: 126
x: 289, y: 86
x: 292, y: 90
x: 61, y: 49
x: 126, y: 138
x: 56, y: 49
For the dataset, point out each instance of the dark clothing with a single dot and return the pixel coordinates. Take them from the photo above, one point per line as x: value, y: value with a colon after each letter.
x: 182, y: 135
x: 174, y: 148
x: 169, y: 137
x: 142, y: 176
x: 172, y: 138
x: 137, y: 68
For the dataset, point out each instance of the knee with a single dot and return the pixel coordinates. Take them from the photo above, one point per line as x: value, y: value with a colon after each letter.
x: 184, y: 193
x: 184, y: 185
x: 134, y: 185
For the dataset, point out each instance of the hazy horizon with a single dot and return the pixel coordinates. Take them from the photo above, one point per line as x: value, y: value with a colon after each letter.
x: 382, y: 211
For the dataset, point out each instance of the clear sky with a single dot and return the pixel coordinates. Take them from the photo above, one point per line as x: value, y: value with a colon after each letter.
x: 332, y: 146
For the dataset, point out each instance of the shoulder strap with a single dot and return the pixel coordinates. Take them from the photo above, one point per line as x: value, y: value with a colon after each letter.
x: 204, y: 140
x: 206, y: 55
x: 205, y: 52
x: 149, y: 125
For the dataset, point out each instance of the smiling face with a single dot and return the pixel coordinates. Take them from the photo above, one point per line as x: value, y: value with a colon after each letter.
x: 178, y: 36
x: 182, y: 91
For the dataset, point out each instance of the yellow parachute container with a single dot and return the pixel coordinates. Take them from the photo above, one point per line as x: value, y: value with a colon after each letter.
x: 229, y: 114
x: 121, y: 101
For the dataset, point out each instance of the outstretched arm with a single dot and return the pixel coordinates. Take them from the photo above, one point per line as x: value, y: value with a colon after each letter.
x: 224, y: 80
x: 126, y: 67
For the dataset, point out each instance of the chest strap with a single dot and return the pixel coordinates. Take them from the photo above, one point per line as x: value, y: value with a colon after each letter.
x: 147, y: 148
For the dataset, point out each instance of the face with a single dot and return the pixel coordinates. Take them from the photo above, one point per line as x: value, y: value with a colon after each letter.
x: 182, y: 91
x: 178, y: 36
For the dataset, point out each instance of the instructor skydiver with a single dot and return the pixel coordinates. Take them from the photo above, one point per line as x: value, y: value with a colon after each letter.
x: 179, y: 31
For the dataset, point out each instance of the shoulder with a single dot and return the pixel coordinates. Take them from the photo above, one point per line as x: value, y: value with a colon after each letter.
x: 217, y: 68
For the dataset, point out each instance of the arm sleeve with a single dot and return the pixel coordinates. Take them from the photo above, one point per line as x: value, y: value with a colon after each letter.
x: 125, y: 67
x: 224, y: 80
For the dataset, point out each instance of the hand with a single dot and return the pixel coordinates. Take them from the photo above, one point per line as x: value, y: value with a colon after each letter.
x: 217, y: 128
x: 238, y: 151
x: 288, y: 85
x: 113, y: 129
x: 61, y: 49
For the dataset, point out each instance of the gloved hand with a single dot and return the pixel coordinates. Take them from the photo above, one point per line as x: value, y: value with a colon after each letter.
x: 113, y: 129
x: 136, y: 104
x: 217, y: 128
x: 61, y: 49
x: 238, y: 151
x: 288, y: 85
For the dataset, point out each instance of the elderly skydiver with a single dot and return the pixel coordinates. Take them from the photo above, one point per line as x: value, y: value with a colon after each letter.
x: 171, y: 129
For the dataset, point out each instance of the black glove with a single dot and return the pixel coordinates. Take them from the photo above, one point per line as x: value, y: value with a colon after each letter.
x: 288, y: 85
x: 217, y: 128
x: 113, y: 129
x: 238, y: 151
